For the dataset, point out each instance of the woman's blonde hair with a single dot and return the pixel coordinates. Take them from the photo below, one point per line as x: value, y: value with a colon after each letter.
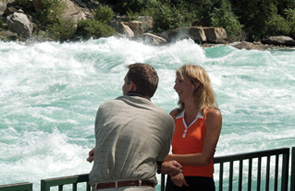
x: 204, y: 96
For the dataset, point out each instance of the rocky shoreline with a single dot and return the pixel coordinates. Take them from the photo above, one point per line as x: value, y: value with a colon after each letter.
x: 251, y: 46
x: 19, y: 26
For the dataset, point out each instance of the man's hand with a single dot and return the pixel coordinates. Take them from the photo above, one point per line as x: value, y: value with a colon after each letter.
x: 179, y: 180
x: 91, y: 155
x: 171, y: 168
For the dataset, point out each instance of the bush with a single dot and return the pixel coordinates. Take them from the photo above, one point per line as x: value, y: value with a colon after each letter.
x: 103, y: 14
x: 26, y: 4
x: 62, y: 30
x: 51, y: 12
x: 277, y: 25
x: 290, y: 19
x: 1, y: 22
x: 96, y: 29
x: 224, y: 17
x: 166, y: 17
x: 122, y: 7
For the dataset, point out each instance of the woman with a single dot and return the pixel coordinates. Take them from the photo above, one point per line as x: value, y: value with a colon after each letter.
x: 198, y: 124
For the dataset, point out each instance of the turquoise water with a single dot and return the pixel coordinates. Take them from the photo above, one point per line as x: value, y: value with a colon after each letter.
x: 49, y: 94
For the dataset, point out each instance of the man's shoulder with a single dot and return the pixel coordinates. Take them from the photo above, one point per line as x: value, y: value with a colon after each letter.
x: 109, y: 104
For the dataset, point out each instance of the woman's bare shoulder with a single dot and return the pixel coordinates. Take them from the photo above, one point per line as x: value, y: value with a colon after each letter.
x: 214, y: 113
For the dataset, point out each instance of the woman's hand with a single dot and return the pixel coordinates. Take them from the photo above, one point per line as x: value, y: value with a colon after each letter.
x: 179, y: 180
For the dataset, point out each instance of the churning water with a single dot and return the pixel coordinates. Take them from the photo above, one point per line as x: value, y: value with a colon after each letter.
x: 49, y: 94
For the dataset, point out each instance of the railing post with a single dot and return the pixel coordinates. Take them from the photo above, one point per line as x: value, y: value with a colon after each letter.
x: 162, y: 182
x: 285, y: 171
x: 44, y: 186
x: 292, y: 185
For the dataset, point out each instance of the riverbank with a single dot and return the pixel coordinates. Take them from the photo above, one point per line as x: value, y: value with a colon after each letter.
x: 250, y: 46
x: 19, y: 22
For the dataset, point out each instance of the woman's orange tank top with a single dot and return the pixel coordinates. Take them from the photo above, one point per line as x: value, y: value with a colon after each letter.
x: 190, y: 139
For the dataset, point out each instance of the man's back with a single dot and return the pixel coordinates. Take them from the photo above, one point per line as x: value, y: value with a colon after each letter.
x: 132, y: 134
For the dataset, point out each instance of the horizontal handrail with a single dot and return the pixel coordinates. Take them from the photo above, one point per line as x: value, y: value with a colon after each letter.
x: 268, y: 155
x: 61, y: 181
x: 25, y: 186
x: 243, y: 156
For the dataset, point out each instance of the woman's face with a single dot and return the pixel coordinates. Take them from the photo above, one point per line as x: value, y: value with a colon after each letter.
x: 184, y: 88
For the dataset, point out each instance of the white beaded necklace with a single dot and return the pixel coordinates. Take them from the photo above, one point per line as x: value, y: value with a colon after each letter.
x: 185, y: 125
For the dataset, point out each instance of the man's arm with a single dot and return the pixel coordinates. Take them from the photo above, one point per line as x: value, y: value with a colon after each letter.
x: 91, y: 152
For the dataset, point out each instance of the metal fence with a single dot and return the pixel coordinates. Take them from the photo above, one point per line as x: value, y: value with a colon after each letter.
x: 68, y: 180
x: 262, y: 170
x: 241, y: 171
x: 274, y: 164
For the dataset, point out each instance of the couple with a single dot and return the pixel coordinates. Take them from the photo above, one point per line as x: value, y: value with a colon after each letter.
x: 133, y: 135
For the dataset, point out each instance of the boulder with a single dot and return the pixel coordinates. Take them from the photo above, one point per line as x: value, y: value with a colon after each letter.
x: 153, y: 39
x: 195, y: 33
x: 3, y: 5
x: 215, y: 34
x: 279, y: 40
x: 246, y: 45
x: 147, y: 22
x: 136, y: 27
x: 8, y: 35
x: 127, y: 30
x: 20, y: 24
x: 123, y: 28
x: 71, y: 12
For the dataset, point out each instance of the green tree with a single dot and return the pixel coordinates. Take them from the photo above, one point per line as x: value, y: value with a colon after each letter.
x: 277, y: 25
x: 62, y: 30
x: 96, y: 29
x: 103, y: 14
x: 254, y: 15
x: 224, y: 17
x: 201, y: 9
x: 51, y: 12
x: 166, y: 17
x: 122, y: 7
x: 290, y: 19
x: 285, y: 4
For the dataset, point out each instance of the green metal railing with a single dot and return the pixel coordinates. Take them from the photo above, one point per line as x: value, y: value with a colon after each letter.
x: 255, y: 165
x: 292, y: 185
x: 252, y: 158
x: 235, y: 172
x: 68, y: 180
x: 26, y: 186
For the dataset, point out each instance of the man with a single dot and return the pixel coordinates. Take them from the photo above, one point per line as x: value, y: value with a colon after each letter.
x: 133, y: 137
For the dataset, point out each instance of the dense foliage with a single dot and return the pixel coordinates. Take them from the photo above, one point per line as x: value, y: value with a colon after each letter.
x: 99, y: 26
x: 255, y: 18
x: 57, y: 28
x: 242, y: 19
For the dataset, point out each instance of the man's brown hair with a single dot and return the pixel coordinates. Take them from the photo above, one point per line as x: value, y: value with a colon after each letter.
x: 145, y: 77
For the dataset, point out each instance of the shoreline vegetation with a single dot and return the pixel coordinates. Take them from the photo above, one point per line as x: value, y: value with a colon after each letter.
x: 244, y: 24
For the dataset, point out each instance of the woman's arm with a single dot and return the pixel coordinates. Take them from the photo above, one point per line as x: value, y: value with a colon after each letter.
x: 213, y: 124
